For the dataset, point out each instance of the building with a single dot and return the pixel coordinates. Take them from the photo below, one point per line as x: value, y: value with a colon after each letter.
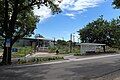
x: 40, y: 44
x: 91, y: 48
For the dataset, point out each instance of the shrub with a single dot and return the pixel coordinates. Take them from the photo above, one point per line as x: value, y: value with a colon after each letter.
x: 52, y: 49
x: 23, y: 52
x: 40, y: 59
x: 77, y: 54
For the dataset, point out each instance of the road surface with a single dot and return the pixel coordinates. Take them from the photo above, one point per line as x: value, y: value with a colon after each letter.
x: 103, y: 68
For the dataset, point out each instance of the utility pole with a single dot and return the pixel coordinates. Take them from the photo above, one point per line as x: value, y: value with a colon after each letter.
x: 54, y: 41
x: 73, y: 38
x: 73, y: 43
x: 70, y: 43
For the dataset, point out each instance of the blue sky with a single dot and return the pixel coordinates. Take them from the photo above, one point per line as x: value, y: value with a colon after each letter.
x: 73, y: 18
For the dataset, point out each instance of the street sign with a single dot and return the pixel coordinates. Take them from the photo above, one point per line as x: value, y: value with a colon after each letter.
x: 8, y: 42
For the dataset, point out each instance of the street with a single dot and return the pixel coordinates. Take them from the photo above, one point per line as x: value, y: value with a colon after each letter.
x: 89, y: 69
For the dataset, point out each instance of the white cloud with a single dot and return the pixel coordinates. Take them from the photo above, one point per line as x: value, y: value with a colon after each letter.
x: 78, y: 6
x: 70, y: 14
x: 69, y: 8
x: 44, y: 12
x: 75, y: 5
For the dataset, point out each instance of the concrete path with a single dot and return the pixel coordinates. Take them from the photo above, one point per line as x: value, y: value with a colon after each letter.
x: 39, y: 54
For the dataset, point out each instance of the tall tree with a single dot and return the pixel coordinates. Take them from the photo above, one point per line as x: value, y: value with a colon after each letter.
x: 116, y: 4
x: 17, y: 20
x: 102, y: 31
x: 61, y: 42
x: 114, y: 32
x: 96, y: 32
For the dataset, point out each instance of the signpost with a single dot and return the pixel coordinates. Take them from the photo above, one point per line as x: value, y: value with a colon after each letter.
x: 7, y: 44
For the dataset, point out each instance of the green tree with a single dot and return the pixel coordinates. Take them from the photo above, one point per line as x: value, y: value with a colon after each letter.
x: 61, y: 42
x: 96, y: 32
x: 114, y: 32
x: 102, y: 31
x: 17, y: 20
x: 116, y: 4
x: 63, y: 46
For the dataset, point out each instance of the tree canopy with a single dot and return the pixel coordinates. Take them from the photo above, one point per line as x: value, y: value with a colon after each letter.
x: 101, y: 31
x: 17, y: 17
x: 116, y: 4
x: 18, y: 20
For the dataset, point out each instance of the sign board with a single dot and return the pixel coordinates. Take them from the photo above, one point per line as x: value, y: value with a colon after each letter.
x: 8, y: 42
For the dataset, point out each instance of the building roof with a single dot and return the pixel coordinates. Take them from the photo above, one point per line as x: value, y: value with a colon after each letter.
x: 96, y: 44
x: 44, y: 39
x: 39, y: 39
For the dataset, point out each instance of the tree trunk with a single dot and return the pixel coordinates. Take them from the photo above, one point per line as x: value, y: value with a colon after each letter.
x: 6, y: 54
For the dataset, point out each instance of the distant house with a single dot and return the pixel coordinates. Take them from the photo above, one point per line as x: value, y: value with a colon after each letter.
x: 40, y: 43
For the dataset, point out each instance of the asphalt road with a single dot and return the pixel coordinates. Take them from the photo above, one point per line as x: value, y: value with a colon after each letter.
x: 91, y: 69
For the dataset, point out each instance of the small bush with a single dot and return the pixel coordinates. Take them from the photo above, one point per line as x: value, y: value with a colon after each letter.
x: 23, y: 52
x: 77, y: 54
x: 40, y: 59
x: 52, y: 49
